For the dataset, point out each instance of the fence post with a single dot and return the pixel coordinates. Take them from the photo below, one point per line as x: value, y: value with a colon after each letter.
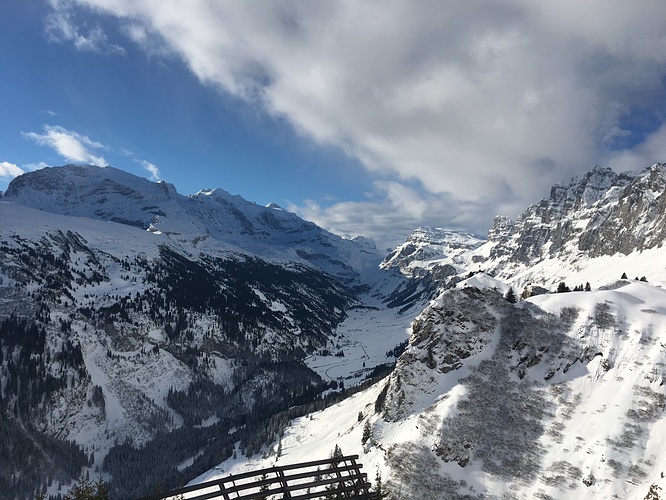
x: 283, y: 482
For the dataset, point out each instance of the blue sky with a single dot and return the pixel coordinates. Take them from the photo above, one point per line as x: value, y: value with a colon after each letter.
x: 368, y: 117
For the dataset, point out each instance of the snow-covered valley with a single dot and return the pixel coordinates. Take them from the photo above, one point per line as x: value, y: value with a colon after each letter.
x: 194, y: 337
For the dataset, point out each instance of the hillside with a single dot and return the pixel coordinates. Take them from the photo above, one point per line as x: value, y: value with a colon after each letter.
x: 136, y: 322
x: 154, y: 338
x: 560, y: 395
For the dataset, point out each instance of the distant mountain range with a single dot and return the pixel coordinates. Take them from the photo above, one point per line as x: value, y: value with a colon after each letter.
x: 598, y: 214
x: 151, y: 337
x: 559, y: 395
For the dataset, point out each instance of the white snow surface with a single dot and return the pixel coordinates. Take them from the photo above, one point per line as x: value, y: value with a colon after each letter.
x: 600, y: 381
x: 604, y: 417
x: 210, y: 221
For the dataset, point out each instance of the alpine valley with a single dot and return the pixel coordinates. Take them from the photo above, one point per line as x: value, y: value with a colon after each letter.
x: 157, y: 339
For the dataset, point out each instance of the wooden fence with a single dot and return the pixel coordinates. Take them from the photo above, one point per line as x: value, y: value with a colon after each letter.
x: 332, y: 478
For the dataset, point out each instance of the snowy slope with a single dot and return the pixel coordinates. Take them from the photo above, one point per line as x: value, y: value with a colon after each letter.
x: 164, y: 318
x: 212, y: 318
x: 136, y: 325
x: 204, y: 222
x: 560, y: 396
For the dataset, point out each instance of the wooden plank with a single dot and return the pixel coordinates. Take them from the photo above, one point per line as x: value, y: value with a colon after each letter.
x: 345, y: 478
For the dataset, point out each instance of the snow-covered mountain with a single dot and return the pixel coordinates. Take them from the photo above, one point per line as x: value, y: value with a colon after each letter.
x: 206, y: 333
x: 137, y: 322
x: 204, y: 222
x: 431, y: 250
x: 560, y: 395
x: 596, y: 218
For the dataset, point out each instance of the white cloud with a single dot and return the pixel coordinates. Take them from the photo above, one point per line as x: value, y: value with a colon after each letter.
x: 483, y: 103
x: 149, y: 41
x: 70, y: 145
x: 9, y: 170
x: 151, y: 168
x: 649, y: 152
x: 390, y: 213
x: 35, y: 166
x: 61, y: 27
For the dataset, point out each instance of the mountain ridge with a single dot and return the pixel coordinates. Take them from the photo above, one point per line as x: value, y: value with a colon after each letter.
x: 596, y: 216
x: 557, y: 395
x: 210, y: 332
x: 160, y: 318
x: 107, y: 193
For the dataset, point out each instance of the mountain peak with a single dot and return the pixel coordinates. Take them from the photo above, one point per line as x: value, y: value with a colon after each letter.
x: 597, y: 213
x: 426, y: 246
x: 107, y: 193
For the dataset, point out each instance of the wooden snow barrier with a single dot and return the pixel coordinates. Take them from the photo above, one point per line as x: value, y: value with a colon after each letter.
x: 336, y: 477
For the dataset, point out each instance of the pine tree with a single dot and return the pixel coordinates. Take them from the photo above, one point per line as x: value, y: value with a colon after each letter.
x: 379, y: 490
x: 562, y: 287
x: 588, y: 288
x: 367, y: 432
x: 510, y: 296
x: 624, y: 276
x: 85, y: 490
x: 337, y: 454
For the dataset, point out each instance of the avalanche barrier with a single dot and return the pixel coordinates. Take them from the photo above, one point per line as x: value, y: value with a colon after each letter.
x: 335, y: 477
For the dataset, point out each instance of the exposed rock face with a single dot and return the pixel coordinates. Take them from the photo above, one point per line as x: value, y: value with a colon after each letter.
x: 598, y: 213
x: 428, y: 248
x: 445, y: 334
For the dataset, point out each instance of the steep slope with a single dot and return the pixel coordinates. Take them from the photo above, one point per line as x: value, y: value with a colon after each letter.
x: 202, y: 222
x: 138, y: 323
x: 561, y: 396
x: 113, y: 338
x: 596, y: 217
x: 431, y: 249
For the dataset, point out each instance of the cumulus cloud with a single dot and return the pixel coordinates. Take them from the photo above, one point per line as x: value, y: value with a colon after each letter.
x: 151, y: 169
x: 61, y: 27
x: 485, y: 104
x: 9, y: 170
x: 35, y: 166
x: 389, y: 214
x: 652, y: 150
x: 70, y: 145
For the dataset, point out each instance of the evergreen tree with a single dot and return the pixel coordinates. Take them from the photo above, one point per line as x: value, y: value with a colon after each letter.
x: 562, y: 287
x: 85, y: 490
x: 510, y: 296
x: 337, y: 453
x: 367, y: 432
x: 588, y: 288
x: 379, y: 490
x: 624, y: 276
